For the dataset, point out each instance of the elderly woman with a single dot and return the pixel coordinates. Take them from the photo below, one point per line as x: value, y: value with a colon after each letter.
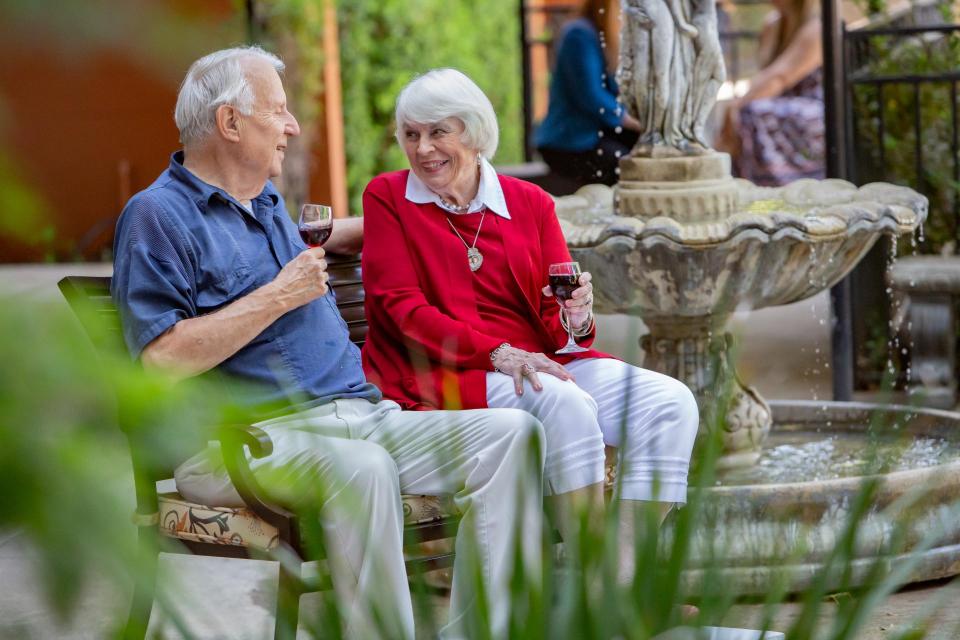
x: 455, y: 266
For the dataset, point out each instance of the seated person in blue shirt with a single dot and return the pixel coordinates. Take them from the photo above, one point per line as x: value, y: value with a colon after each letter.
x: 211, y: 277
x: 586, y: 130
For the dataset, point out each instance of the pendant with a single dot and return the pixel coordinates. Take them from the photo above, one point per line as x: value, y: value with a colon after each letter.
x: 474, y: 258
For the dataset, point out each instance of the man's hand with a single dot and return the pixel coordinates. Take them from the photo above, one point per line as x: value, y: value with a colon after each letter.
x: 195, y: 345
x: 302, y: 280
x: 518, y: 363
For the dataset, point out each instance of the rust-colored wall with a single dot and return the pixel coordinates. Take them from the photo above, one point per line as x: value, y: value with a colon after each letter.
x: 87, y: 119
x: 86, y: 110
x: 85, y: 134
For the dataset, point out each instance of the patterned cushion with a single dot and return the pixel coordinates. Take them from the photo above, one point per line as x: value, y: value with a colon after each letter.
x: 241, y: 527
x: 219, y: 525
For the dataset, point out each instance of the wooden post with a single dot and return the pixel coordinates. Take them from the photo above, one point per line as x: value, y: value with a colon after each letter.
x: 328, y: 175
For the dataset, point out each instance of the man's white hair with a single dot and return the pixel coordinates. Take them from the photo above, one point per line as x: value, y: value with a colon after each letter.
x: 215, y: 79
x: 446, y: 93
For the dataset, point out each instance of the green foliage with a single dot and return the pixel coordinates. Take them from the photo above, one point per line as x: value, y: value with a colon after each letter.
x: 64, y: 462
x: 892, y: 155
x: 295, y: 28
x: 385, y: 43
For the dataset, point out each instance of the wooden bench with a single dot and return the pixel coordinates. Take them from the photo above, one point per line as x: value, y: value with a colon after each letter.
x: 262, y: 530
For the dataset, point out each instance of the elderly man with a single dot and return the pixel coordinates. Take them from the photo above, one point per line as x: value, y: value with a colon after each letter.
x: 211, y: 278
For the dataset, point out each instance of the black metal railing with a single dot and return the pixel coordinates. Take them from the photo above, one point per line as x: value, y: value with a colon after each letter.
x: 900, y: 122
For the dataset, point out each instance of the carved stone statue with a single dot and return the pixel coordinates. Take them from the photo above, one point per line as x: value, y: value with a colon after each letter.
x: 671, y: 68
x: 708, y: 70
x: 670, y: 71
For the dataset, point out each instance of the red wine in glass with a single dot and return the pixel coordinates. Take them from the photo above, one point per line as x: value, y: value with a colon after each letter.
x: 315, y: 236
x: 563, y: 286
x: 316, y: 224
x: 564, y: 280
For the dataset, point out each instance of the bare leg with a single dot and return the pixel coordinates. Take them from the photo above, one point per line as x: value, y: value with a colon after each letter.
x: 632, y: 514
x: 566, y: 511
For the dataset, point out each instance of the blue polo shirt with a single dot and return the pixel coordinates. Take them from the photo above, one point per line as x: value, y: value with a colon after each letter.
x: 184, y: 248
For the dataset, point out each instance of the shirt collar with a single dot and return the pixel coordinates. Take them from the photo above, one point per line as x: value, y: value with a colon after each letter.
x: 489, y: 194
x: 204, y: 191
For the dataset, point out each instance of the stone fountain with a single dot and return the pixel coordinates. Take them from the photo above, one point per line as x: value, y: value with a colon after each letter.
x: 685, y: 276
x: 682, y: 244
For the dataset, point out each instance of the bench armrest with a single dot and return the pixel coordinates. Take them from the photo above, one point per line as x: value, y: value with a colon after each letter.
x: 233, y: 440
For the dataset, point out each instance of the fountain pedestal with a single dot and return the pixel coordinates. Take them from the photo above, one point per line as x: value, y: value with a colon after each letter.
x: 687, y: 189
x: 699, y: 353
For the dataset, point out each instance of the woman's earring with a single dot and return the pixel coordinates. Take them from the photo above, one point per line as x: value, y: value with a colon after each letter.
x: 478, y: 159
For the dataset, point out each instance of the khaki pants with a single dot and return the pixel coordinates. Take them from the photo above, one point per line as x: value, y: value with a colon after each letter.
x: 351, y: 460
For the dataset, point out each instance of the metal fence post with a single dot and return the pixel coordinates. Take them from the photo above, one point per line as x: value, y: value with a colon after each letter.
x: 834, y: 94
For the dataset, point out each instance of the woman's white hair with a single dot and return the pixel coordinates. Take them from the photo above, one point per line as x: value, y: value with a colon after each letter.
x: 215, y: 79
x: 448, y: 93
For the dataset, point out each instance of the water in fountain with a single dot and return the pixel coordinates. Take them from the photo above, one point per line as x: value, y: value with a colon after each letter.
x: 801, y: 456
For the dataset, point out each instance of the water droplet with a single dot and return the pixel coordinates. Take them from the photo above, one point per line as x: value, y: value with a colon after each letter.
x: 602, y: 110
x: 599, y: 173
x: 599, y: 152
x: 600, y: 133
x: 618, y: 129
x: 616, y: 170
x: 617, y: 153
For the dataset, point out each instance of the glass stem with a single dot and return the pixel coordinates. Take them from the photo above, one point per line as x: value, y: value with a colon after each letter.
x: 570, y: 341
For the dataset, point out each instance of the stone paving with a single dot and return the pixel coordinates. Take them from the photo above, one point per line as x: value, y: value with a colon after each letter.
x: 232, y: 599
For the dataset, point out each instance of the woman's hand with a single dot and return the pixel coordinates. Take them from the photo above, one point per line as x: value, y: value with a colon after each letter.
x: 579, y: 308
x: 518, y: 364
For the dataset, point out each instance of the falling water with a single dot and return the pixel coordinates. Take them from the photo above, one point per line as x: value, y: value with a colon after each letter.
x: 813, y: 373
x: 910, y: 344
x: 894, y: 350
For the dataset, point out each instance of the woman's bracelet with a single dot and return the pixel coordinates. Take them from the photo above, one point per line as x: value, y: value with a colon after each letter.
x: 495, y: 353
x: 580, y: 331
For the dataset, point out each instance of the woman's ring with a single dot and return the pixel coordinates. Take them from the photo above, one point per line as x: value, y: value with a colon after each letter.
x: 527, y: 367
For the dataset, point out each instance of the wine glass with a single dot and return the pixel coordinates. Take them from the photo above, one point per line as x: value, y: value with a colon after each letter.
x: 316, y: 224
x: 564, y: 280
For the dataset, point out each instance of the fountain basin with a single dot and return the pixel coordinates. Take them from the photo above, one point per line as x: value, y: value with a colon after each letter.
x: 783, y: 244
x: 761, y: 533
x: 686, y: 275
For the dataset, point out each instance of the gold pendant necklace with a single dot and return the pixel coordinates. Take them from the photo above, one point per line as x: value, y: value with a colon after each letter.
x: 474, y: 257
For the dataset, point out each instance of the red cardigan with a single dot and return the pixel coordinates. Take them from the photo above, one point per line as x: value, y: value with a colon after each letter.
x: 421, y: 349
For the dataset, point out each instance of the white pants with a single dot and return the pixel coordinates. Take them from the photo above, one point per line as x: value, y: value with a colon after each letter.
x: 651, y: 418
x: 349, y: 460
